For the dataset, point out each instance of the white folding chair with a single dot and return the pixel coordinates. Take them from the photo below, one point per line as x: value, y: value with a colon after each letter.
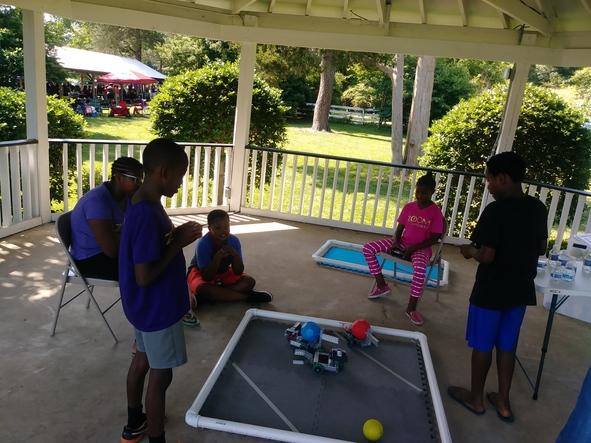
x: 434, y: 265
x: 73, y: 275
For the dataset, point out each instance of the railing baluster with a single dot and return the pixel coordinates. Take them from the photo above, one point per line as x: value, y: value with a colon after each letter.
x: 5, y: 186
x: 216, y: 175
x: 247, y: 156
x: 365, y: 194
x: 294, y: 168
x: 117, y: 151
x: 273, y: 178
x: 263, y: 178
x: 66, y: 182
x: 400, y: 190
x: 303, y: 187
x: 185, y: 191
x: 581, y: 201
x: 552, y: 210
x: 456, y: 204
x: 357, y: 176
x: 79, y: 169
x: 532, y: 190
x: 377, y: 196
x: 15, y: 184
x: 35, y: 204
x: 413, y: 184
x: 568, y: 198
x: 388, y: 194
x: 196, y: 166
x: 105, y: 162
x: 313, y: 191
x: 345, y: 185
x: 26, y: 181
x: 543, y: 195
x: 253, y: 174
x: 284, y: 158
x: 335, y: 179
x: 205, y: 186
x: 130, y: 151
x: 446, y: 195
x: 468, y: 206
x: 91, y: 160
x: 324, y: 181
x: 227, y: 178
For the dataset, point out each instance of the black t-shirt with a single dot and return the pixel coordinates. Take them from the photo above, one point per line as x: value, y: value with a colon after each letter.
x: 514, y: 227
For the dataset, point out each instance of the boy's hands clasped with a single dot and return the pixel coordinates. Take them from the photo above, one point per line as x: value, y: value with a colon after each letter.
x: 185, y: 234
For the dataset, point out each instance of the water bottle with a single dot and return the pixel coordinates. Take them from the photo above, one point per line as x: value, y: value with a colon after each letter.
x: 569, y: 272
x: 556, y: 272
x: 587, y: 263
x: 553, y: 259
x: 563, y: 258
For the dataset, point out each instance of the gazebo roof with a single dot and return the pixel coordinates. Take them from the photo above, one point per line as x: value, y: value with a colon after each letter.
x: 553, y: 32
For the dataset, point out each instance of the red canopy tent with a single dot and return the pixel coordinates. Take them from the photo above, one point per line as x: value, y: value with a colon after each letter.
x: 126, y: 77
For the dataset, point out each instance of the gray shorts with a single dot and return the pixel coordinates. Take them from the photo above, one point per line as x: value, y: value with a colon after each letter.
x: 165, y: 349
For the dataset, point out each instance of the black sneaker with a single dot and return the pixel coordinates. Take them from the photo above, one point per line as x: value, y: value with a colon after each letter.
x: 259, y: 297
x: 134, y: 435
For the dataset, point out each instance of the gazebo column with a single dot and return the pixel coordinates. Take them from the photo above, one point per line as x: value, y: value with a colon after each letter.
x: 36, y: 105
x: 242, y: 122
x: 512, y: 106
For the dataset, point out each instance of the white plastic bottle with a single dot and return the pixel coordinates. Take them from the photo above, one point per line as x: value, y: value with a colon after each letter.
x: 587, y: 263
x: 569, y: 271
x: 553, y: 257
x: 563, y: 258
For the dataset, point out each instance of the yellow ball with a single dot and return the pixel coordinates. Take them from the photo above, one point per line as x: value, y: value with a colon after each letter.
x: 373, y: 429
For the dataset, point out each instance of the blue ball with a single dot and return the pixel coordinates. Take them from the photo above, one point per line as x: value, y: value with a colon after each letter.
x: 310, y: 331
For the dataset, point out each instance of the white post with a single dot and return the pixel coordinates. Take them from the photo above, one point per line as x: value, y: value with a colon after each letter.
x: 36, y: 103
x: 512, y: 107
x: 242, y: 122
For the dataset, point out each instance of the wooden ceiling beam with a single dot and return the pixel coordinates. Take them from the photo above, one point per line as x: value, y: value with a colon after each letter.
x: 524, y: 14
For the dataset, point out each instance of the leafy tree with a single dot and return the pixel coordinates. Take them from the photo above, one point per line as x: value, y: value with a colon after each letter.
x: 549, y: 135
x: 581, y: 80
x: 128, y: 42
x: 180, y: 53
x: 199, y: 105
x: 11, y: 49
x: 63, y: 122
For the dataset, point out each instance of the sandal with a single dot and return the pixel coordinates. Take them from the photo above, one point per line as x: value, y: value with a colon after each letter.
x: 190, y: 319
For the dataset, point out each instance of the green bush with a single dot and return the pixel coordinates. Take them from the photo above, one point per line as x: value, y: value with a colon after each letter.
x: 199, y: 106
x: 63, y: 122
x: 549, y: 135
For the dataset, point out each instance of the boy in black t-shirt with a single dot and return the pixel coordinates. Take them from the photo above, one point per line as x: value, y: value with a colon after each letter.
x: 509, y: 236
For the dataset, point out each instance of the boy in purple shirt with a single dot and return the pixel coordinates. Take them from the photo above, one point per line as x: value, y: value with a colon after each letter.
x: 153, y: 288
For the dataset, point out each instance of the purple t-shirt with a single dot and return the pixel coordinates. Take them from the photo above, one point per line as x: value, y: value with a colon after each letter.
x: 143, y: 239
x: 96, y: 204
x: 206, y: 249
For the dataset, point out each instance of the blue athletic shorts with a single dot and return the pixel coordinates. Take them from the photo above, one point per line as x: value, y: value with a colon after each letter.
x: 166, y: 348
x: 488, y: 328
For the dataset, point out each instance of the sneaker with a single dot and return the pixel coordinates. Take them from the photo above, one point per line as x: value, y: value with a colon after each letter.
x: 190, y: 319
x: 378, y: 292
x: 134, y: 435
x: 259, y: 297
x: 415, y: 318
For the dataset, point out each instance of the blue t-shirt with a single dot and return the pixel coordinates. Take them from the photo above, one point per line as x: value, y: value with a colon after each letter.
x: 143, y: 240
x: 96, y: 204
x: 206, y: 249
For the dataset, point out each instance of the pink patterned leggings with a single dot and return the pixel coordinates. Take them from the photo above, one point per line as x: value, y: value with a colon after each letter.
x: 419, y: 260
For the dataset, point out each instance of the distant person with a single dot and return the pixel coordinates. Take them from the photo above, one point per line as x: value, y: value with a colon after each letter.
x: 508, y: 239
x: 420, y: 225
x: 97, y: 218
x: 216, y: 272
x: 154, y: 291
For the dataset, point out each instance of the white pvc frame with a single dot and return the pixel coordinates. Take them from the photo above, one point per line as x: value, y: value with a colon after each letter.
x: 192, y: 417
x: 319, y: 258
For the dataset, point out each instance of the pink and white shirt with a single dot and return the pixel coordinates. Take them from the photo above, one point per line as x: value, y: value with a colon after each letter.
x: 420, y: 223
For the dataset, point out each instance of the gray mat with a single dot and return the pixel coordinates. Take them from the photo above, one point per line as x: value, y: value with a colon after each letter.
x: 328, y: 404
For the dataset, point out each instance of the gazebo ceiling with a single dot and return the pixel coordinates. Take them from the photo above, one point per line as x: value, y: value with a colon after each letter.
x: 553, y: 32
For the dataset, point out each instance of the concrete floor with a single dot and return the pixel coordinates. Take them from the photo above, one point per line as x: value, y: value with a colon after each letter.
x: 71, y: 387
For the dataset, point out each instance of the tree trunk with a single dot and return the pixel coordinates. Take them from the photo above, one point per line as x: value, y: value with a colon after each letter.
x: 397, y: 77
x: 327, y: 77
x: 420, y: 110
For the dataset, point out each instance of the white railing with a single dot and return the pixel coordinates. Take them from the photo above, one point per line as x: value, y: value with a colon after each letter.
x: 352, y: 114
x: 368, y: 196
x: 87, y: 163
x: 19, y: 188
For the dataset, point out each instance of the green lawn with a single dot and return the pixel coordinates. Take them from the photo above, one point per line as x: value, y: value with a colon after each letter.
x: 346, y: 140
